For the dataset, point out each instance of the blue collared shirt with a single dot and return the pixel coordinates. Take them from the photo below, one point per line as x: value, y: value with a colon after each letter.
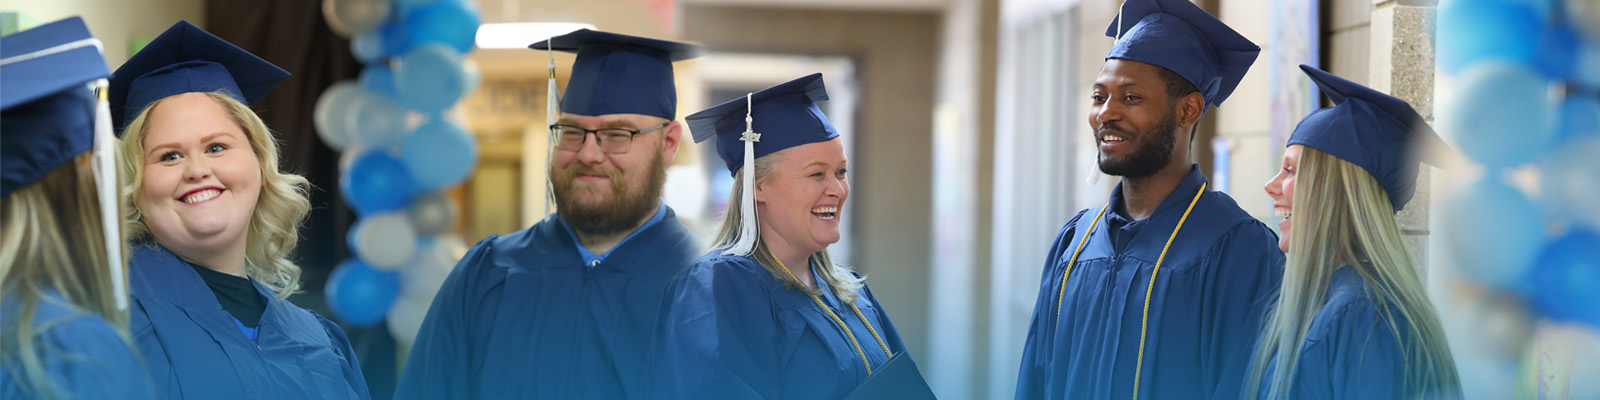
x: 590, y: 259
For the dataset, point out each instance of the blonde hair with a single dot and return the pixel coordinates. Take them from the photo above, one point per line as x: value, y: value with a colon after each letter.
x: 841, y: 278
x: 1350, y: 223
x: 275, y: 223
x: 52, y: 243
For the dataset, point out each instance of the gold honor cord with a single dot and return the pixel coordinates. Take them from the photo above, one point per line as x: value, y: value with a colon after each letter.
x: 1144, y: 322
x: 841, y: 323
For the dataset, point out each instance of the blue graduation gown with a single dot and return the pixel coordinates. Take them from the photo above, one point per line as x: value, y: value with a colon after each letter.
x: 1221, y: 273
x: 522, y: 317
x: 1350, y: 351
x: 82, y: 354
x: 196, y: 350
x: 731, y: 330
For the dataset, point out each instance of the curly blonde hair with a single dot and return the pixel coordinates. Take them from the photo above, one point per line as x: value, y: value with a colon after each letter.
x: 275, y: 223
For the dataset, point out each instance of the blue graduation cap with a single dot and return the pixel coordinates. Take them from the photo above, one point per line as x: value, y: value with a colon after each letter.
x: 1375, y: 131
x: 759, y: 124
x: 49, y: 110
x: 620, y: 74
x: 187, y: 59
x: 48, y: 116
x: 784, y: 116
x: 1181, y: 37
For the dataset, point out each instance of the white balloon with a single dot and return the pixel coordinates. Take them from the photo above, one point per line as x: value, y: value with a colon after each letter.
x: 333, y: 105
x: 385, y: 240
x: 349, y: 17
x: 405, y: 319
x: 421, y: 278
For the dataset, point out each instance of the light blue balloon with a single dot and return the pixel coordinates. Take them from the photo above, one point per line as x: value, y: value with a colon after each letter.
x: 1475, y: 30
x: 1501, y: 114
x: 1494, y: 233
x: 378, y: 79
x: 431, y: 78
x: 1588, y: 71
x: 440, y: 153
x: 449, y: 22
x: 368, y: 47
x: 376, y: 120
x: 1580, y: 116
x: 361, y: 295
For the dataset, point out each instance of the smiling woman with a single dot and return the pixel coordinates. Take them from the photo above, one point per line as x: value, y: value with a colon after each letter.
x: 784, y: 320
x: 213, y: 221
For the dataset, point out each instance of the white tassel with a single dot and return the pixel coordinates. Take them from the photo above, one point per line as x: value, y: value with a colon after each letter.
x: 105, y: 182
x: 748, y: 230
x: 552, y: 110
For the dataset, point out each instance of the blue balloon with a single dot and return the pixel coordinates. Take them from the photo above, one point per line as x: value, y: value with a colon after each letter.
x: 1475, y: 30
x: 1580, y: 117
x: 1557, y: 57
x: 431, y: 78
x: 396, y: 40
x: 1567, y: 278
x: 1501, y: 115
x: 1494, y: 232
x: 378, y: 79
x: 453, y: 23
x: 440, y: 153
x: 376, y: 119
x: 361, y: 295
x: 376, y: 182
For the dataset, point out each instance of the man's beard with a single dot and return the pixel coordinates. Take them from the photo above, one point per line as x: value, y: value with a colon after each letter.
x: 1155, y: 150
x: 623, y: 210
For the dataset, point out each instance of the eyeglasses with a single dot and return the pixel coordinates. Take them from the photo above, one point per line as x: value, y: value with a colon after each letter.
x: 611, y: 140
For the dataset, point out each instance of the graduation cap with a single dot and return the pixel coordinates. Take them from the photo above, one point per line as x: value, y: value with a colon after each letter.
x: 620, y: 74
x: 759, y: 124
x: 1181, y: 37
x: 187, y: 59
x: 1372, y: 130
x: 49, y: 115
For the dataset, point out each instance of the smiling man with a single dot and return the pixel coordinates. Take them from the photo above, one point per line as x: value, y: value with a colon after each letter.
x: 1159, y: 293
x: 566, y: 308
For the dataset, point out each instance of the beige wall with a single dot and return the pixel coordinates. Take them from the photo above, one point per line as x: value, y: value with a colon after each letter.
x: 115, y: 22
x: 895, y: 54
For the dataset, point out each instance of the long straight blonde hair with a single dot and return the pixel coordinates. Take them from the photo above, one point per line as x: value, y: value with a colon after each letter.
x: 1344, y: 219
x: 52, y: 242
x: 841, y: 278
x: 275, y: 224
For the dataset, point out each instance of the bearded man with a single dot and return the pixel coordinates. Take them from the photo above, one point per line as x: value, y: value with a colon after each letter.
x: 565, y: 309
x: 1159, y: 293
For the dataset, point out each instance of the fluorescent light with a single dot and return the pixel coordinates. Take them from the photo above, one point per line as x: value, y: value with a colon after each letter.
x: 521, y: 34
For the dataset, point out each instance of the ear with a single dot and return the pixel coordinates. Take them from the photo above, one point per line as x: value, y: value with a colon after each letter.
x: 669, y: 143
x: 760, y: 192
x: 1190, y: 108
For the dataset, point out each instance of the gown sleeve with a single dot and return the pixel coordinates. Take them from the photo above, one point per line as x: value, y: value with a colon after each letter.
x: 1354, y: 355
x: 719, y: 336
x: 442, y: 362
x: 1033, y: 374
x: 84, y: 357
x: 1245, y: 271
x: 341, y: 345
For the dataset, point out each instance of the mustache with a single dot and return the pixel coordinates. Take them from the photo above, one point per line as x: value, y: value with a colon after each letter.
x: 571, y: 171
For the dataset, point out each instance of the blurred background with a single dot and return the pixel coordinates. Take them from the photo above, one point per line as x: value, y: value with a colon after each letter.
x: 421, y: 124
